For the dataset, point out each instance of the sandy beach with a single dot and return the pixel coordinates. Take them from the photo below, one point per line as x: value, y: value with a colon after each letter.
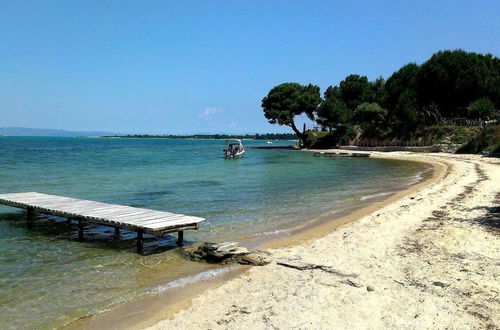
x: 427, y: 258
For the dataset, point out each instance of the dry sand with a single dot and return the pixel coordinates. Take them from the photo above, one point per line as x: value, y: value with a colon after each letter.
x: 428, y: 260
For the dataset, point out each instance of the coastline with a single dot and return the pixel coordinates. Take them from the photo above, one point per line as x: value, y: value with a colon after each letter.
x: 437, y: 268
x: 316, y: 231
x: 151, y: 309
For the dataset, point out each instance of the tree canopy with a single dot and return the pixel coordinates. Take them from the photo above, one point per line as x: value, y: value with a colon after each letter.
x: 333, y: 111
x: 288, y: 100
x: 451, y: 84
x: 453, y: 79
x: 355, y: 90
x: 482, y: 108
x: 370, y: 113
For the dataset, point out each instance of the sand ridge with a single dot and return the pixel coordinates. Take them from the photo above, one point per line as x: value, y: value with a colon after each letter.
x: 428, y: 260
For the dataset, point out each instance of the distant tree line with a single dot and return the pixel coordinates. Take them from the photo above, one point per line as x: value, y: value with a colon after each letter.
x: 266, y: 136
x: 450, y: 84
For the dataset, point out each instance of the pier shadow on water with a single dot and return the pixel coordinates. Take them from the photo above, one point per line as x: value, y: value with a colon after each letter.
x: 49, y: 228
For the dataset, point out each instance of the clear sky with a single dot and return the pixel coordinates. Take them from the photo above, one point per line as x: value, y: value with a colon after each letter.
x: 204, y: 66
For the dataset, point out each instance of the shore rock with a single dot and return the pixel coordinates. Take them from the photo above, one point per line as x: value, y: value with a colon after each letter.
x: 255, y: 258
x: 226, y: 253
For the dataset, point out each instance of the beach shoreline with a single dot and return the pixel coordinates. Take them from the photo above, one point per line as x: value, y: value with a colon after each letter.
x: 164, y: 305
x: 437, y: 268
x: 318, y: 230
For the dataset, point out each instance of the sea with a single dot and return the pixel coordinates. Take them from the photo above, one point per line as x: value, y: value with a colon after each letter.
x: 48, y: 279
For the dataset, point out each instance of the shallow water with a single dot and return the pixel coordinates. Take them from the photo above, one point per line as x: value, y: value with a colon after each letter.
x: 48, y: 279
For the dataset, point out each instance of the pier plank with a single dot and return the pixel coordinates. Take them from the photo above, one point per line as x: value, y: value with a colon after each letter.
x: 156, y: 219
x: 141, y: 220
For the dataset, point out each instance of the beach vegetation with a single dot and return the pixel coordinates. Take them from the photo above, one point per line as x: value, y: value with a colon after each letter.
x: 482, y: 108
x: 474, y: 145
x: 287, y: 100
x: 453, y: 79
x: 370, y: 117
x: 453, y: 95
x: 333, y: 111
x: 355, y: 90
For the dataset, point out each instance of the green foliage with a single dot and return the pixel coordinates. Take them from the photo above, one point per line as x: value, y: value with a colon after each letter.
x: 401, y: 81
x: 333, y: 112
x: 288, y: 100
x: 474, y: 146
x: 341, y: 135
x: 402, y: 99
x: 474, y: 139
x: 450, y: 87
x: 482, y: 108
x: 455, y: 134
x: 494, y: 148
x: 355, y: 90
x: 492, y: 137
x: 380, y: 94
x: 452, y: 79
x: 369, y: 113
x: 311, y: 138
x: 370, y: 116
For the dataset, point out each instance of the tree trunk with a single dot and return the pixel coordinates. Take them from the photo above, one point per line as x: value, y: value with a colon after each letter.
x: 299, y: 134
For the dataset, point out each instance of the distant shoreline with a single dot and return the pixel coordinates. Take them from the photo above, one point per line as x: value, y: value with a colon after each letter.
x: 269, y: 136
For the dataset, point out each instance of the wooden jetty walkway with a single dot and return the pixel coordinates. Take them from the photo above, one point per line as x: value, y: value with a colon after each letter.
x: 341, y: 154
x: 272, y: 147
x: 142, y: 221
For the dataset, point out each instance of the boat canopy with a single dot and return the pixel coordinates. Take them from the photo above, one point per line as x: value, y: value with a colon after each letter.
x: 233, y: 141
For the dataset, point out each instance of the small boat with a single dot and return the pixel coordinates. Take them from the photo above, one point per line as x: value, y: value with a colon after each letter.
x: 269, y: 142
x: 234, y: 148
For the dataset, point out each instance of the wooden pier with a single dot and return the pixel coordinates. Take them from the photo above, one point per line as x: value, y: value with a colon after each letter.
x: 142, y: 221
x: 341, y: 154
x: 273, y: 147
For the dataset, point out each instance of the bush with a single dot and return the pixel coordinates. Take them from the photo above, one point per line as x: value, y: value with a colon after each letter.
x: 494, y: 148
x: 487, y: 140
x: 482, y: 108
x: 474, y: 146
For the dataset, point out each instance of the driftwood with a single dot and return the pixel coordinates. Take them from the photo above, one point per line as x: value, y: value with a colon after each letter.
x: 300, y: 265
x: 354, y: 284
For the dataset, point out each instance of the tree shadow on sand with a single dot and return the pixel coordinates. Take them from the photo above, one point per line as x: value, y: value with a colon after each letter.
x: 491, y: 220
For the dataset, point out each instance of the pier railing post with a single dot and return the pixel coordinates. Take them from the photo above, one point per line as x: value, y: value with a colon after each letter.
x: 30, y: 216
x: 117, y: 232
x: 140, y: 242
x: 180, y: 238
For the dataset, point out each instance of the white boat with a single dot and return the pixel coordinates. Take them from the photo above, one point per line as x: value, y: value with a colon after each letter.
x: 234, y: 148
x: 269, y: 142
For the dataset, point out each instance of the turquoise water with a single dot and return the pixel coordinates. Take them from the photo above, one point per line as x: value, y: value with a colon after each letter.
x: 48, y: 279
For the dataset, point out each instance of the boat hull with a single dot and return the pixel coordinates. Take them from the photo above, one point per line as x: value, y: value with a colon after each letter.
x: 237, y: 155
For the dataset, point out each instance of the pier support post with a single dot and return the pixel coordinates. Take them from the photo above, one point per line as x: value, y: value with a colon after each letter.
x: 80, y: 230
x: 117, y: 232
x: 140, y: 242
x: 31, y: 217
x: 180, y: 238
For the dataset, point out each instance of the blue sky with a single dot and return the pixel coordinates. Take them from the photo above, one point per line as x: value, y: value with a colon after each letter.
x: 185, y: 67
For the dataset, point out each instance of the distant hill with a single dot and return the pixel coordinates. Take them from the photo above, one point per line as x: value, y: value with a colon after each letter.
x: 25, y: 131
